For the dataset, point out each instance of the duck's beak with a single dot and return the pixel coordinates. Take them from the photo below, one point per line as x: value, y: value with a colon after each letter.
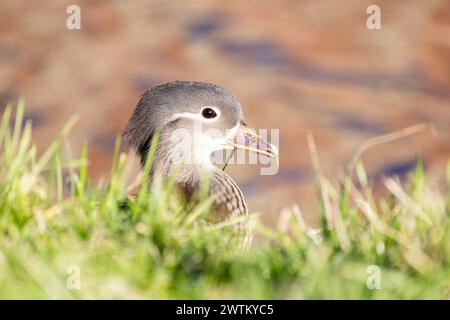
x: 245, y: 138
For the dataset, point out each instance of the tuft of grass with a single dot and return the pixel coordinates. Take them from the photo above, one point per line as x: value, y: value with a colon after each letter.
x: 61, y: 236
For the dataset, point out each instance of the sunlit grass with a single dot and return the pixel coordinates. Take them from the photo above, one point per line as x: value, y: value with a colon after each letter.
x: 54, y: 219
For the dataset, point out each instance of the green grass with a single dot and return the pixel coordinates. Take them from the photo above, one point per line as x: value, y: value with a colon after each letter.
x: 54, y: 222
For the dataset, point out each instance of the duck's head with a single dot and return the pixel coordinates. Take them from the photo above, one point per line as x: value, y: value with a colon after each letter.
x: 194, y: 120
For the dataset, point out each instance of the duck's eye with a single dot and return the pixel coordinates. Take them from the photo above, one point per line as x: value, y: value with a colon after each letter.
x: 208, y: 113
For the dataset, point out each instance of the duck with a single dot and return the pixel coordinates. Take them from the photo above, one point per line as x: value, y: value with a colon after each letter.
x: 193, y: 120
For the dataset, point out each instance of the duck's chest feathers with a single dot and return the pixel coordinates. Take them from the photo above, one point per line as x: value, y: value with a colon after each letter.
x: 228, y: 198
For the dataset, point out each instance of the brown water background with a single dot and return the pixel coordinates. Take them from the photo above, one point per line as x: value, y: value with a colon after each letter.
x: 297, y: 66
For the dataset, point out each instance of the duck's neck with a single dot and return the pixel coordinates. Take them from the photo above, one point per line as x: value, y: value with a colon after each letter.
x: 228, y: 198
x: 176, y: 156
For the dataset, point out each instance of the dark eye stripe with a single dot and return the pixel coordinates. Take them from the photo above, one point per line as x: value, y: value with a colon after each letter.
x: 208, y: 113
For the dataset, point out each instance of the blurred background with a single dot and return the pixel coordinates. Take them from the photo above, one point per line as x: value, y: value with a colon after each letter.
x: 296, y: 66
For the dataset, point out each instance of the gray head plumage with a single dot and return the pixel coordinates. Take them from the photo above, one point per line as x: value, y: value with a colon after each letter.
x: 156, y: 107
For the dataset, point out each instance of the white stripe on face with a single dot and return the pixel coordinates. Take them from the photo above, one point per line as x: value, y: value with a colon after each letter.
x: 197, y: 116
